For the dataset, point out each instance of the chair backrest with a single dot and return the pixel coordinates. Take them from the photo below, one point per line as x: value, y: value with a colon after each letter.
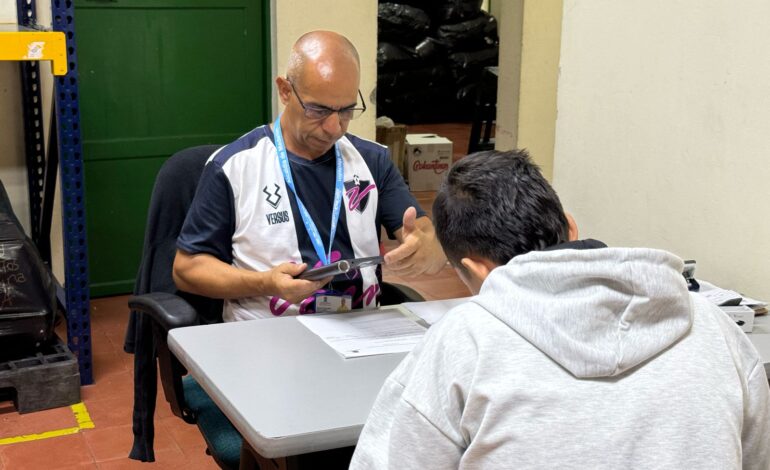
x: 172, y: 195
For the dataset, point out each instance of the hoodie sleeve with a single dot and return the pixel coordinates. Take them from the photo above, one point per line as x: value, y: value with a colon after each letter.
x: 756, y: 422
x: 398, y: 436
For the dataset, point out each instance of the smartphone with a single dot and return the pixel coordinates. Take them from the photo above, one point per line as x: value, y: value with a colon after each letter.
x: 339, y: 267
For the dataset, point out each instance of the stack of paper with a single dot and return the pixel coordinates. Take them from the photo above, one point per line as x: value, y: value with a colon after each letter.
x: 738, y: 307
x: 431, y: 311
x: 726, y: 298
x: 366, y: 333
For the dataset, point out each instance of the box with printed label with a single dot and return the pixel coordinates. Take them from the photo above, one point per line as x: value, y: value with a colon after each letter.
x: 742, y: 315
x: 428, y: 159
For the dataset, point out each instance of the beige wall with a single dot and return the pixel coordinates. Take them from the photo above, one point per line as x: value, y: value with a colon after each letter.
x: 13, y: 170
x: 663, y: 133
x: 7, y: 12
x: 509, y: 22
x: 13, y: 173
x: 356, y: 19
x: 530, y: 39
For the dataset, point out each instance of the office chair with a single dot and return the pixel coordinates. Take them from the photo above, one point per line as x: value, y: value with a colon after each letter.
x: 157, y: 307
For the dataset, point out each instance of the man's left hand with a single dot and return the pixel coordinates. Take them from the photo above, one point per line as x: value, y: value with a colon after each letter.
x: 419, y: 252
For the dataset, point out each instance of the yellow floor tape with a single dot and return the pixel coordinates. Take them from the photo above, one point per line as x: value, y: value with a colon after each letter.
x: 81, y: 416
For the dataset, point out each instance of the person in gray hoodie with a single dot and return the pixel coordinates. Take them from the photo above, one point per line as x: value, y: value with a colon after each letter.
x: 572, y: 355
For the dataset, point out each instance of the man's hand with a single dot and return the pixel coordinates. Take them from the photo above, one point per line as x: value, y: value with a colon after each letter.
x: 284, y: 285
x: 419, y: 252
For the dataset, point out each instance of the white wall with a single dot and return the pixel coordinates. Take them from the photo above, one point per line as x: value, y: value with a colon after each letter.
x: 356, y: 19
x: 663, y: 130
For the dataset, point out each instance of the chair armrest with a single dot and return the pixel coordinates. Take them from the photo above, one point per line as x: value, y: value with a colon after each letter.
x: 167, y: 310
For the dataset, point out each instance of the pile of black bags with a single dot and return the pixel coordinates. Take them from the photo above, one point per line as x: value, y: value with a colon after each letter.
x: 27, y: 289
x: 429, y: 58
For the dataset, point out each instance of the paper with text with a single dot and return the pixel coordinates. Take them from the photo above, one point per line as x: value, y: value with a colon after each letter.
x: 431, y: 311
x: 717, y: 295
x: 365, y: 333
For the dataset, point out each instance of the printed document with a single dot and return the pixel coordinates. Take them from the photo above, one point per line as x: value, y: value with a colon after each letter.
x: 367, y: 333
x: 431, y: 311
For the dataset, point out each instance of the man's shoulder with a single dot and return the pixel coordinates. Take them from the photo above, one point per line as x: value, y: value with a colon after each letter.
x: 369, y: 150
x: 242, y: 145
x: 459, y: 328
x: 710, y: 318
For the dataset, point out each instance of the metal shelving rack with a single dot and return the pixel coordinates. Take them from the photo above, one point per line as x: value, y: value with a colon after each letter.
x: 41, y: 172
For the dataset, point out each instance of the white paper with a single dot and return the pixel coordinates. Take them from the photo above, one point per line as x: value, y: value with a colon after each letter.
x: 365, y: 333
x: 753, y: 303
x: 432, y: 310
x: 717, y: 295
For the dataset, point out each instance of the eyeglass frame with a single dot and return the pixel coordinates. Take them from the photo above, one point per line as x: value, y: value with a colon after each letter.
x: 327, y: 111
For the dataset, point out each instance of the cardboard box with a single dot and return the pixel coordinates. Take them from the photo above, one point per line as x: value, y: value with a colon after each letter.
x: 394, y: 138
x: 742, y: 315
x: 428, y: 158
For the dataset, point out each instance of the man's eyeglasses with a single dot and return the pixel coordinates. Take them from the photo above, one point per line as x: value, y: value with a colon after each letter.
x: 317, y: 112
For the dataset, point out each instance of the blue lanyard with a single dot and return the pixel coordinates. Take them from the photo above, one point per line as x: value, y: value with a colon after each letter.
x: 339, y: 188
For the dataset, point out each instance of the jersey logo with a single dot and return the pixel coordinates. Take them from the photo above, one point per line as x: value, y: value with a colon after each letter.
x: 273, y: 198
x: 358, y: 191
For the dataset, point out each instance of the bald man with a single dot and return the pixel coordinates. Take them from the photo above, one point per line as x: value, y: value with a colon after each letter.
x: 299, y: 193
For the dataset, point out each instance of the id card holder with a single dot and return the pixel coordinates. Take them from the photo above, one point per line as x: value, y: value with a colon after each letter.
x: 333, y: 302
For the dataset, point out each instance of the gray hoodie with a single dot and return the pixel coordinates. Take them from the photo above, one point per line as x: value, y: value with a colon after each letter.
x: 581, y: 359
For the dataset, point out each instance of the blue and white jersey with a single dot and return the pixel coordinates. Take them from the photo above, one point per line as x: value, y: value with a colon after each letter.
x: 244, y: 214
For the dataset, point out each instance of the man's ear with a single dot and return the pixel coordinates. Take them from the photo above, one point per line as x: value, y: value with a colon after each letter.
x: 284, y: 89
x: 571, y: 227
x: 478, y: 268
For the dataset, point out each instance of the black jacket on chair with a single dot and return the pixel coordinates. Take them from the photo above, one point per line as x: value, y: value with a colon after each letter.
x: 171, y: 198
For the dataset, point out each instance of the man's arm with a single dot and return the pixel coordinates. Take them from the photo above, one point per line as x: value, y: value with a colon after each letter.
x: 755, y: 437
x: 420, y: 251
x: 204, y: 274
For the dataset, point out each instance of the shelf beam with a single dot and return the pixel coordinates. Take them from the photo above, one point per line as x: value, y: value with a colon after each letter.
x: 19, y: 43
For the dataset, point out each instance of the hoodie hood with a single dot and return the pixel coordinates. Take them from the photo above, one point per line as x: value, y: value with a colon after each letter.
x: 597, y: 312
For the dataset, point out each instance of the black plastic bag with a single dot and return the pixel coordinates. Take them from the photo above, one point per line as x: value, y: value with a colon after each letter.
x: 476, y: 60
x: 402, y: 24
x: 395, y: 57
x: 455, y: 11
x: 430, y: 49
x: 426, y: 105
x: 27, y: 289
x: 478, y: 33
x: 405, y: 81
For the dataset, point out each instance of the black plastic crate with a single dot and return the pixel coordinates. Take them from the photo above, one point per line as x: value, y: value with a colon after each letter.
x: 46, y: 379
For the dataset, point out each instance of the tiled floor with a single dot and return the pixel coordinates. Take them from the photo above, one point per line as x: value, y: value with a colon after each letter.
x: 110, y: 398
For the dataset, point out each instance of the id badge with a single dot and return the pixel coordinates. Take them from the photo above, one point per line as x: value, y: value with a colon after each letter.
x: 333, y: 302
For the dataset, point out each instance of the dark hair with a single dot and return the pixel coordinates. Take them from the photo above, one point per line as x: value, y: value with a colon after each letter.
x: 497, y: 205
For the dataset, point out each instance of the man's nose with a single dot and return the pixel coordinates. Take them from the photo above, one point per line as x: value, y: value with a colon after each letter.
x: 332, y: 124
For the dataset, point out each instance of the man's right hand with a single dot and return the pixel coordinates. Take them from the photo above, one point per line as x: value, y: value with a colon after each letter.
x: 203, y: 274
x: 284, y: 284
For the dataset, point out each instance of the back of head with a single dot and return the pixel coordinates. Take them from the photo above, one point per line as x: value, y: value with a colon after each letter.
x: 497, y: 205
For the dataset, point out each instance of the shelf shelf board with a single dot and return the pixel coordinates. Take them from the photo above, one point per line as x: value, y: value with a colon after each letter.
x: 21, y: 43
